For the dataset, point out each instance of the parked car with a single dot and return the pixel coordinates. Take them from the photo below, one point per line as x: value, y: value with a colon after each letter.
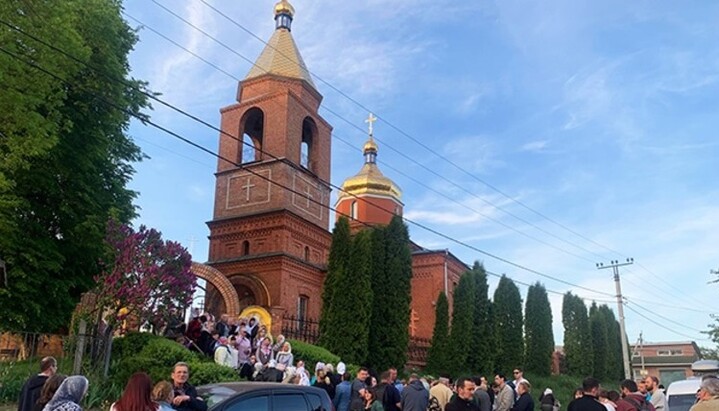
x: 264, y: 396
x: 681, y: 395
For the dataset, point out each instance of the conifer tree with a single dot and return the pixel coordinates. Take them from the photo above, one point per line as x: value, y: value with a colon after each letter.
x: 600, y: 342
x: 348, y: 332
x: 615, y: 367
x: 538, y: 330
x: 389, y: 331
x: 340, y: 253
x: 481, y: 357
x: 438, y: 355
x: 577, y: 340
x: 462, y: 322
x: 508, y: 325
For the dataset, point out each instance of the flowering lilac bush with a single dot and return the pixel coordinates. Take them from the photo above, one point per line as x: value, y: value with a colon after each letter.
x: 144, y: 276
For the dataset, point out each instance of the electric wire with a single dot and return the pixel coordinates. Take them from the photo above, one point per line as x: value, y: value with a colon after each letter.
x: 384, y: 143
x: 415, y: 140
x: 664, y: 327
x: 652, y: 312
x: 146, y: 120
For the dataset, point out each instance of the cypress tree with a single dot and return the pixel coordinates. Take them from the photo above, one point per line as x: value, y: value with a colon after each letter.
x: 462, y: 322
x: 438, y: 354
x: 389, y: 331
x: 600, y: 342
x: 508, y: 325
x: 340, y: 253
x: 615, y: 368
x: 577, y: 342
x: 481, y: 357
x: 538, y: 330
x: 348, y: 332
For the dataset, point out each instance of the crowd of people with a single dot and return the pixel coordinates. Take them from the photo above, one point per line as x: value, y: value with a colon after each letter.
x: 365, y: 391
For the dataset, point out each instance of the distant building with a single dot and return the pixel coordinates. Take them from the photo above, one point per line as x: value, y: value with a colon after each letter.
x: 669, y: 361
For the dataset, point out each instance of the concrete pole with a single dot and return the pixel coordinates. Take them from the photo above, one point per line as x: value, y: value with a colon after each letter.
x: 622, y: 328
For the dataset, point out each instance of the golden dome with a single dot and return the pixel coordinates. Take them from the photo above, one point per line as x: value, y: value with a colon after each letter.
x: 370, y: 180
x: 284, y: 6
x: 370, y: 145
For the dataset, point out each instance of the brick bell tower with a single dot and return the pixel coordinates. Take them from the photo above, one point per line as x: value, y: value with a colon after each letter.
x: 269, y: 233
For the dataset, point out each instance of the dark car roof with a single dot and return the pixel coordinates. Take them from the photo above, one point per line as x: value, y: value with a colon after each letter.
x: 221, y: 392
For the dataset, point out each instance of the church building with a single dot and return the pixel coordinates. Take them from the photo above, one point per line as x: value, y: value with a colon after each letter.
x: 269, y: 234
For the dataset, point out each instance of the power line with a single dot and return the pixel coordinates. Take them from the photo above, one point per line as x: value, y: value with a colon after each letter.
x: 666, y: 319
x: 146, y: 120
x: 415, y: 140
x: 350, y: 123
x: 651, y: 320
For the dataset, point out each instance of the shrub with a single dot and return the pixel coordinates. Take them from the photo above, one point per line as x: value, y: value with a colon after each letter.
x: 131, y: 344
x: 208, y: 372
x: 123, y: 369
x: 167, y: 352
x: 311, y: 354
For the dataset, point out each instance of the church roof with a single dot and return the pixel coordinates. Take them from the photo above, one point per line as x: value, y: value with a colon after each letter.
x: 370, y: 179
x: 281, y: 57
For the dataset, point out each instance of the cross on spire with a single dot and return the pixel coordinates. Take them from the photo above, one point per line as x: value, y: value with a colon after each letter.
x: 371, y: 120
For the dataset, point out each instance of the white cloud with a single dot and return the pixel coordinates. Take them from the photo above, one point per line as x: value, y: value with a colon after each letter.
x: 538, y: 145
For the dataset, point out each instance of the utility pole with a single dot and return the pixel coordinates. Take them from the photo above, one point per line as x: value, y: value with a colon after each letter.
x: 615, y: 264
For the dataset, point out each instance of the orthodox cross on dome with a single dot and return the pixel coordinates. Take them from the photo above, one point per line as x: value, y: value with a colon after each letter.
x: 371, y: 120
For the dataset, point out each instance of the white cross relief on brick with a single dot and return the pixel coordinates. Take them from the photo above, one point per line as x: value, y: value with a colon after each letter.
x: 248, y: 189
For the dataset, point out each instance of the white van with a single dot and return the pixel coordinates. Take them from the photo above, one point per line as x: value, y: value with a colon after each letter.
x: 681, y: 395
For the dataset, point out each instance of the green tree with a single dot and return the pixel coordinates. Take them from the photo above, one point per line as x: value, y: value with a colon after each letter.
x: 348, y: 333
x: 508, y: 323
x: 438, y: 355
x: 66, y: 157
x: 577, y: 336
x: 614, y: 363
x: 340, y: 254
x: 482, y: 356
x: 389, y: 331
x: 538, y: 331
x: 462, y: 323
x: 600, y: 342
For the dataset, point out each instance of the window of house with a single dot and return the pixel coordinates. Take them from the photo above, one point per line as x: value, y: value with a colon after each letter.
x: 669, y: 352
x: 302, y: 302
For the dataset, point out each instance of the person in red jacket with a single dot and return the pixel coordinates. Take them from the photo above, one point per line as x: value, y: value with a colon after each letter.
x: 632, y: 399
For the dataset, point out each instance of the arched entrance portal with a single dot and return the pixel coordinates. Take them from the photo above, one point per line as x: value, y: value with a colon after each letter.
x: 218, y: 284
x: 250, y: 291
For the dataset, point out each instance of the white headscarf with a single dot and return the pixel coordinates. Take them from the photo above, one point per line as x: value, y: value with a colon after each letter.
x: 341, y: 368
x: 69, y: 395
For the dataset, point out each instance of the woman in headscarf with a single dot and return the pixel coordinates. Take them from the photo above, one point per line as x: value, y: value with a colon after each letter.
x: 69, y: 395
x: 285, y: 359
x: 137, y: 395
x: 547, y: 400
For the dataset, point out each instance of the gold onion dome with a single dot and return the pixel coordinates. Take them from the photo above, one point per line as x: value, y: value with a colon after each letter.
x: 284, y: 7
x: 370, y: 179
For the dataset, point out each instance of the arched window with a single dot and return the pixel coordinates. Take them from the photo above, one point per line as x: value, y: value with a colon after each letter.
x: 252, y: 133
x: 353, y: 210
x: 309, y: 130
x: 245, y: 247
x: 307, y: 253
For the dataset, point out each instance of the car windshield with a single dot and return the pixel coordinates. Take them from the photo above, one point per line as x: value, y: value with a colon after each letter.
x: 681, y: 402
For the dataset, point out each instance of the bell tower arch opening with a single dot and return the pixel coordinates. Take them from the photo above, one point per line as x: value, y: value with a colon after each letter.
x: 220, y: 293
x: 252, y: 127
x: 309, y: 131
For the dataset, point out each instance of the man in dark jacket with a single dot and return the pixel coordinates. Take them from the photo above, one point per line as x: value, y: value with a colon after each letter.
x: 387, y: 393
x: 632, y: 399
x: 414, y: 396
x: 524, y: 401
x: 31, y: 390
x: 588, y: 401
x: 186, y: 398
x: 464, y: 400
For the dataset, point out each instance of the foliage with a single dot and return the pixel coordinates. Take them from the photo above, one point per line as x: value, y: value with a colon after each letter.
x: 481, y: 357
x: 508, y: 325
x: 614, y: 362
x: 538, y: 331
x: 340, y: 253
x: 146, y: 277
x: 131, y: 343
x: 65, y: 157
x: 210, y: 372
x: 14, y: 374
x: 600, y: 342
x: 168, y: 352
x: 389, y: 334
x: 577, y: 336
x: 348, y: 333
x: 438, y: 354
x: 462, y: 323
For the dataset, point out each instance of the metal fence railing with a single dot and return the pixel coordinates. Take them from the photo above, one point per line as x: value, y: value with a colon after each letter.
x: 302, y: 329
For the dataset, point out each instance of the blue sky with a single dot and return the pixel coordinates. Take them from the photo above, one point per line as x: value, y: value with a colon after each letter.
x: 601, y: 116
